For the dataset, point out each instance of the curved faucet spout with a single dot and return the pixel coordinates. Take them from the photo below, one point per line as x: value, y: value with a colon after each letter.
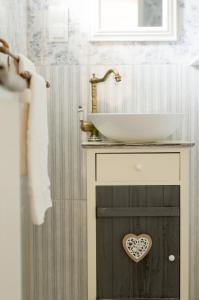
x: 94, y: 80
x: 118, y: 77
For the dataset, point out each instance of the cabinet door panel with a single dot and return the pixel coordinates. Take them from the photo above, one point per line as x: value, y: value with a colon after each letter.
x: 155, y: 277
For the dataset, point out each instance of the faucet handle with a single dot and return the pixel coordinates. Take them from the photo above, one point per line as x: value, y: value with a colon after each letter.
x: 80, y: 108
x: 81, y: 112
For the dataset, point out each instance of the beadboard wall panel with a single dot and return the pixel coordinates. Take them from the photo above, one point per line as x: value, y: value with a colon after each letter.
x: 66, y: 158
x: 58, y: 248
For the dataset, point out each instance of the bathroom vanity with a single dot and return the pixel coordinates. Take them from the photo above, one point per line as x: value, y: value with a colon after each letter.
x: 138, y: 221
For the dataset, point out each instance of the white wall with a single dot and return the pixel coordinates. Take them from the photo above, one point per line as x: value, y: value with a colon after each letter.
x: 13, y: 28
x: 10, y: 212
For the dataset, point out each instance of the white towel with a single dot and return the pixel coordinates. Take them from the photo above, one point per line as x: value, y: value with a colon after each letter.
x: 37, y: 140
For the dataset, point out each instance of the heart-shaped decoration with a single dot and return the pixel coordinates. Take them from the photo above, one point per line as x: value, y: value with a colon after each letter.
x: 137, y: 246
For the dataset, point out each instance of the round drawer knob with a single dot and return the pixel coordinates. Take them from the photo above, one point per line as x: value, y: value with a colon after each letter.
x: 138, y: 167
x: 172, y: 258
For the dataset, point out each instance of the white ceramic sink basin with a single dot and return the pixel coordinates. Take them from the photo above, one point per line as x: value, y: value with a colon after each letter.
x: 136, y: 127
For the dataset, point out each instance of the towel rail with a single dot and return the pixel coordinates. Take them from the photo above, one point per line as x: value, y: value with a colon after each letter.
x: 5, y: 50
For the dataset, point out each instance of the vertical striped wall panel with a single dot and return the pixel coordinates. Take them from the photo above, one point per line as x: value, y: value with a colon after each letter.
x: 58, y: 249
x: 58, y: 254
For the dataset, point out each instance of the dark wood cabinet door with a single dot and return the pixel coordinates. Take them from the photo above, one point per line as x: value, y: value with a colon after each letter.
x: 152, y: 210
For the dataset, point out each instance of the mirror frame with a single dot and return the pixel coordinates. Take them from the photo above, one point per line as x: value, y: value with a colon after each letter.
x: 168, y: 32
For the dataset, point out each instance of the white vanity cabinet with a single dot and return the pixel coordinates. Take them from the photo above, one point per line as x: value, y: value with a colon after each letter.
x: 138, y: 221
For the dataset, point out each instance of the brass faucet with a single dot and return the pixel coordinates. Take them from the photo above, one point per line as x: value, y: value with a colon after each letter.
x: 94, y: 81
x: 88, y: 126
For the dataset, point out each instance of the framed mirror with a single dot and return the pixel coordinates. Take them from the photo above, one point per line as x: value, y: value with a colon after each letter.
x: 133, y: 20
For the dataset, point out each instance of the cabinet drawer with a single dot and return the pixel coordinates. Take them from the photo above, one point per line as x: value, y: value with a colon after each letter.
x: 138, y: 167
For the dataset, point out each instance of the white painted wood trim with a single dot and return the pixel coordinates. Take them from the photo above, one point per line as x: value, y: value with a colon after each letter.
x: 168, y: 32
x: 184, y: 225
x: 91, y: 225
x: 98, y: 183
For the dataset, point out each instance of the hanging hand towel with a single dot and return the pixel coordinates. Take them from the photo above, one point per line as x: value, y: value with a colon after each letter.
x: 37, y: 143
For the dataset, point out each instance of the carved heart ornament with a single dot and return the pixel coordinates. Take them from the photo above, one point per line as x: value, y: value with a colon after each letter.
x: 137, y: 246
